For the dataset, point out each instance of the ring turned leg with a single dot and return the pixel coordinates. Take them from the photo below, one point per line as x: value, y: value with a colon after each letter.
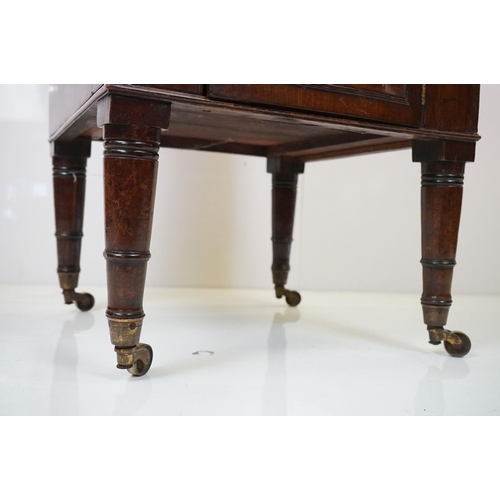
x: 69, y: 160
x: 130, y: 172
x: 443, y: 165
x: 284, y: 193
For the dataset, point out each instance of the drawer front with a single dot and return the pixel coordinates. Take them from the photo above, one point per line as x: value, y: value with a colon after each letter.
x: 185, y: 88
x: 396, y: 103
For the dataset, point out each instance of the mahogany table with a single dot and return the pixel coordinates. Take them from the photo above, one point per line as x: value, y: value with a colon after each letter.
x: 287, y: 124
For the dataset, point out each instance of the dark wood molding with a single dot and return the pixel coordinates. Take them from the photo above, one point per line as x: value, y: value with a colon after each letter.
x: 282, y: 165
x: 443, y: 150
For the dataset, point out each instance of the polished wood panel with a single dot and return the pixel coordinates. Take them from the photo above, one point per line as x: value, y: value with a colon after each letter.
x: 196, y: 89
x: 396, y: 93
x: 452, y: 108
x: 65, y: 100
x: 334, y: 99
x: 398, y: 90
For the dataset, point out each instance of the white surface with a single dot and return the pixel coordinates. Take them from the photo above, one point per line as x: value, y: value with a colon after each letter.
x: 212, y: 222
x: 336, y: 354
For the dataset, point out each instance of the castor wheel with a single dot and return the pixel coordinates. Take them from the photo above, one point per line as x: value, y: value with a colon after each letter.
x: 458, y: 350
x: 292, y: 298
x: 457, y: 344
x: 143, y: 357
x: 85, y: 301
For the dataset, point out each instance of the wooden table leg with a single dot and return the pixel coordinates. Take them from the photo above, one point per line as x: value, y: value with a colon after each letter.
x: 284, y: 193
x: 69, y: 160
x: 130, y: 172
x: 443, y: 165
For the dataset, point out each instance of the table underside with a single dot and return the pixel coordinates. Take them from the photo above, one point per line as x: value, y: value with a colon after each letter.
x: 201, y: 123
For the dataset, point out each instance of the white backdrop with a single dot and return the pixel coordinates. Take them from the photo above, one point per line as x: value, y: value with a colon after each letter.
x: 212, y: 222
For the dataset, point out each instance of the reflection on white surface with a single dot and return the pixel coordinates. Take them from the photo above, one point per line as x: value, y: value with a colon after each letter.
x: 11, y: 192
x: 18, y: 200
x: 275, y: 389
x: 64, y: 399
x: 134, y: 397
x: 430, y: 396
x: 268, y: 359
x: 9, y: 214
x: 25, y: 103
x: 10, y: 199
x: 39, y: 190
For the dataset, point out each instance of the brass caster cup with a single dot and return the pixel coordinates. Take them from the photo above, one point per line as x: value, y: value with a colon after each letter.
x: 137, y: 360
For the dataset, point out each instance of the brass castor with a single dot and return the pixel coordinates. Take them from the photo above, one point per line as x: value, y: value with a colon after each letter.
x: 84, y: 301
x: 292, y: 298
x: 143, y: 360
x: 456, y: 344
x: 458, y: 350
x: 137, y: 360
